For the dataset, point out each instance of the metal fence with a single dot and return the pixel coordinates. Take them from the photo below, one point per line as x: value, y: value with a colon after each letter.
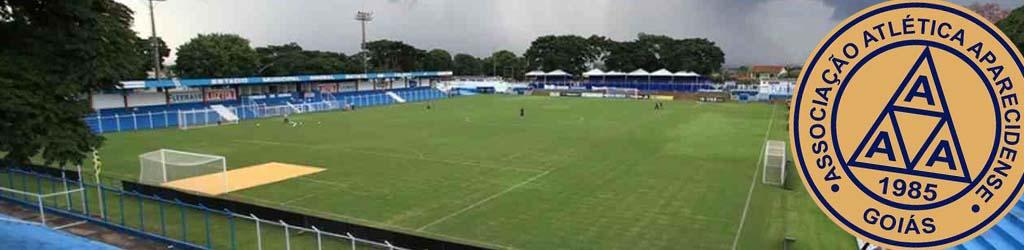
x: 188, y: 226
x: 252, y: 110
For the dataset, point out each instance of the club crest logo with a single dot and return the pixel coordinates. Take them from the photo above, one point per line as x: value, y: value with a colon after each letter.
x: 906, y: 124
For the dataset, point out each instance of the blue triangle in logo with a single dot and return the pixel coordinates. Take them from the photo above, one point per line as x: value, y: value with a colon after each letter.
x: 914, y: 133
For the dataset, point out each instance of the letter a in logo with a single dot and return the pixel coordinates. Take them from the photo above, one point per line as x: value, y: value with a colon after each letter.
x: 914, y: 134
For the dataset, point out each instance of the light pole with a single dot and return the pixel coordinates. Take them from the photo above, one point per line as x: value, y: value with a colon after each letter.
x: 152, y: 39
x: 363, y: 17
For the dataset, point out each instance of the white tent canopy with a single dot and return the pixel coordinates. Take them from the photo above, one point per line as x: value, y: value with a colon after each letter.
x: 535, y: 73
x: 686, y: 73
x: 614, y: 73
x: 557, y: 72
x: 593, y: 72
x: 639, y: 72
x: 661, y: 72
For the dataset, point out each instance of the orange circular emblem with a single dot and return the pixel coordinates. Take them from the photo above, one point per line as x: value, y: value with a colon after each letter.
x: 906, y: 125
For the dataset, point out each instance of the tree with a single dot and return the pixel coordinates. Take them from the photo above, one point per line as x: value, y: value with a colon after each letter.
x: 698, y: 55
x: 291, y: 59
x: 653, y: 52
x: 52, y: 54
x: 504, y: 63
x: 632, y: 55
x: 144, y: 48
x: 1013, y: 27
x: 386, y: 55
x: 437, y: 60
x: 991, y: 11
x: 571, y: 53
x: 467, y: 65
x: 216, y: 55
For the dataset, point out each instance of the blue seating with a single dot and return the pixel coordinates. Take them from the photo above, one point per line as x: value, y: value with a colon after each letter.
x: 18, y: 234
x: 1007, y: 234
x: 162, y: 116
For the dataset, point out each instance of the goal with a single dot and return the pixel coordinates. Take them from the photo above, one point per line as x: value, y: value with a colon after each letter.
x: 166, y: 165
x: 774, y: 163
x: 218, y: 115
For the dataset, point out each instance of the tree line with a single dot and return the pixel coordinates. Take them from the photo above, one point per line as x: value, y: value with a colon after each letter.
x: 230, y: 55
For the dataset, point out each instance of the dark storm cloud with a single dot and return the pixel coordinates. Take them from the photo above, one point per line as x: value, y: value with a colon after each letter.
x: 845, y: 8
x: 750, y: 31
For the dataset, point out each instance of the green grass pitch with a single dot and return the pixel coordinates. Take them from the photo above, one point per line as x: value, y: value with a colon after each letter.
x: 572, y: 174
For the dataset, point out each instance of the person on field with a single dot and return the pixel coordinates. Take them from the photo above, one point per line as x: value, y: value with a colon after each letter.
x: 522, y: 112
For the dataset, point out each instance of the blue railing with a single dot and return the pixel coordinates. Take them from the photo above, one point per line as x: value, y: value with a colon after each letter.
x: 173, y: 222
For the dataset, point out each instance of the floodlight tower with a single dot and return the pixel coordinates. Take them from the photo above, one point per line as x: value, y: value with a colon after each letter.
x: 363, y: 17
x: 152, y: 40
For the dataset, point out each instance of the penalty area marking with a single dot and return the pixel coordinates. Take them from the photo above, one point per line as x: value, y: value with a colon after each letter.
x: 471, y: 206
x: 753, y: 181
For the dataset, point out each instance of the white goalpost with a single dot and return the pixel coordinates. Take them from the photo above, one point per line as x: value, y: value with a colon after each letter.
x: 166, y: 165
x: 774, y: 163
x: 189, y: 119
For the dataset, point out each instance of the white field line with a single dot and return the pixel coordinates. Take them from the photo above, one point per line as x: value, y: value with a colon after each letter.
x: 307, y: 196
x: 471, y: 206
x: 395, y: 156
x: 753, y: 180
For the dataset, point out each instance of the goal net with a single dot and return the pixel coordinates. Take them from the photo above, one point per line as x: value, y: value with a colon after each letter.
x: 774, y: 163
x: 189, y: 119
x: 165, y: 165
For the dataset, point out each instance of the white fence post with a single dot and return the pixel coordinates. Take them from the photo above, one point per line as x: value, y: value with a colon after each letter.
x: 353, y: 238
x: 319, y: 242
x: 166, y: 121
x: 42, y: 211
x: 135, y: 121
x: 151, y: 120
x: 117, y: 118
x: 287, y: 238
x: 99, y: 118
x: 259, y: 236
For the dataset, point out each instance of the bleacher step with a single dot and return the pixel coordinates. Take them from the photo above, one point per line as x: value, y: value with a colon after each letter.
x: 225, y: 113
x: 394, y: 96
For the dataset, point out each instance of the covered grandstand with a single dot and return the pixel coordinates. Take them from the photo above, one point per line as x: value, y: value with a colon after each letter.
x: 640, y: 79
x: 147, y: 104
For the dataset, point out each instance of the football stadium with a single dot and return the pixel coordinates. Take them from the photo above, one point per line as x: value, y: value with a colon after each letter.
x: 388, y: 149
x: 442, y: 160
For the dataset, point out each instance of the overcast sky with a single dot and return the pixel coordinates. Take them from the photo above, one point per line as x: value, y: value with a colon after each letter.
x: 750, y: 31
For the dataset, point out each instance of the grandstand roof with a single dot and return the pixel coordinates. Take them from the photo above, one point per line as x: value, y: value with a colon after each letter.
x: 639, y: 72
x: 661, y: 72
x: 593, y: 72
x: 557, y: 72
x: 686, y: 73
x: 256, y: 80
x: 535, y: 73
